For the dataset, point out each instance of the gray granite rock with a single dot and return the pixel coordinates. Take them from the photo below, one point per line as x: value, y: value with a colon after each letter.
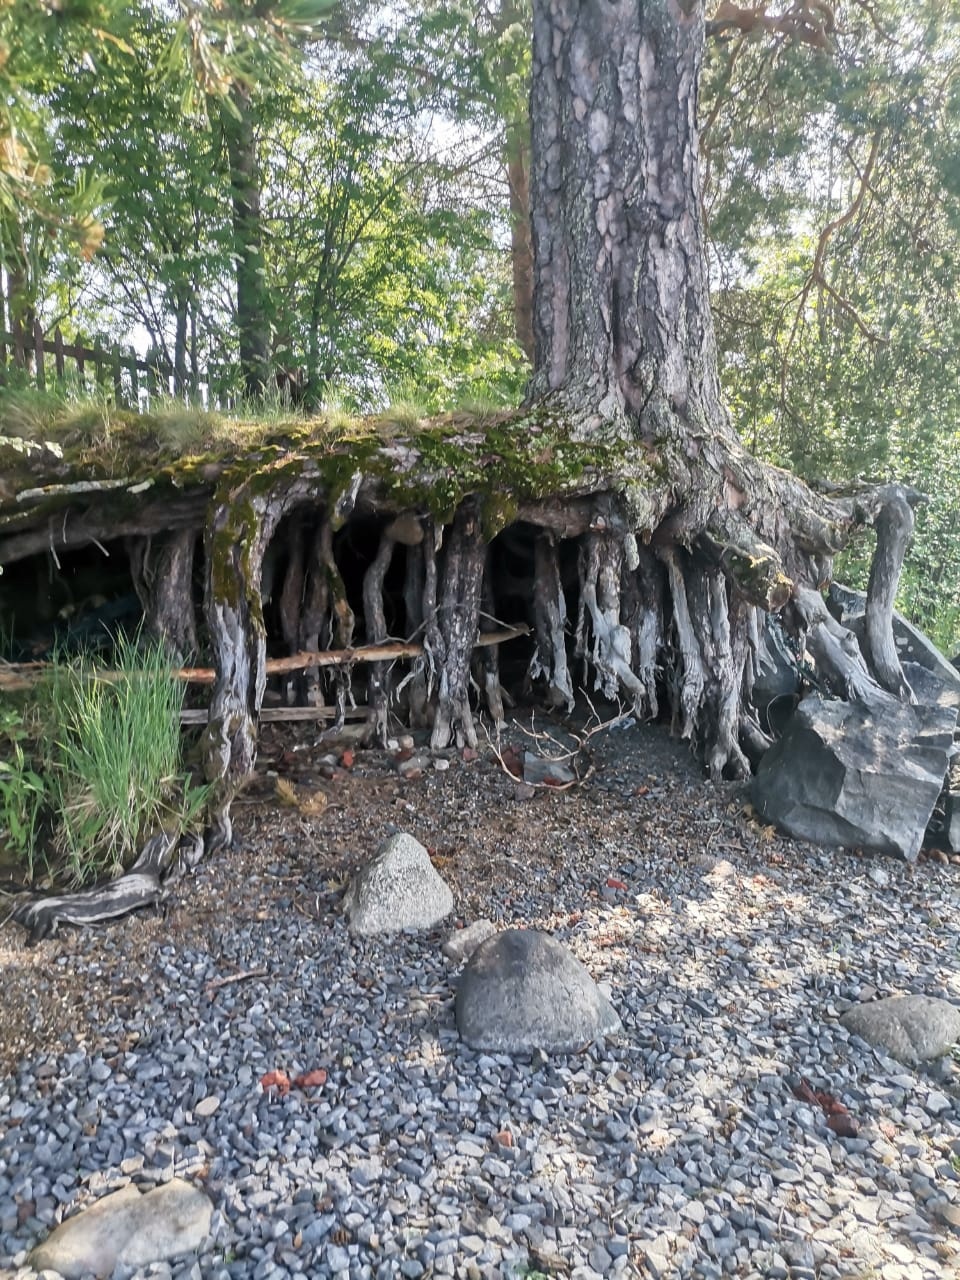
x: 399, y: 888
x: 522, y: 990
x: 846, y: 774
x: 909, y: 1028
x: 127, y: 1229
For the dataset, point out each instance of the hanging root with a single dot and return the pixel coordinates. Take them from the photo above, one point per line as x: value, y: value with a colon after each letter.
x: 489, y: 657
x: 601, y: 561
x: 642, y: 589
x: 457, y: 620
x: 162, y: 570
x: 378, y: 679
x: 342, y: 621
x: 550, y: 621
x: 723, y: 675
x: 894, y: 526
x: 688, y: 677
x: 237, y: 535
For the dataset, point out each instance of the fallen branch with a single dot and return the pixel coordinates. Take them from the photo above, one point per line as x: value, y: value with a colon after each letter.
x: 214, y: 985
x: 563, y: 755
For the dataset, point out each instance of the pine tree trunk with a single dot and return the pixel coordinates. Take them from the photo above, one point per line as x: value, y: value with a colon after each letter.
x: 622, y: 323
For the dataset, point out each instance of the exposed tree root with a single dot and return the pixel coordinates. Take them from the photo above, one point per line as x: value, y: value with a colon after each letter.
x: 670, y: 585
x: 457, y: 620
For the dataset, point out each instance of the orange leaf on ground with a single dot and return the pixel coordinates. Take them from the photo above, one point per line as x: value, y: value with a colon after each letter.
x: 831, y: 1105
x: 615, y: 884
x: 504, y: 1138
x: 278, y: 1080
x: 311, y: 1079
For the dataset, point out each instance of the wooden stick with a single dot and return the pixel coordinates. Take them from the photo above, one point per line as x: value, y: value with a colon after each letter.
x: 214, y: 985
x: 20, y: 675
x: 200, y: 715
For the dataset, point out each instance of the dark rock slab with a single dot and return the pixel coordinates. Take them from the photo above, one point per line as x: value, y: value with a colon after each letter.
x: 911, y: 1029
x: 776, y: 683
x: 861, y: 777
x: 522, y: 990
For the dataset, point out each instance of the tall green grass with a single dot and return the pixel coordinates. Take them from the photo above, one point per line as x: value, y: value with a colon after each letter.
x: 116, y: 768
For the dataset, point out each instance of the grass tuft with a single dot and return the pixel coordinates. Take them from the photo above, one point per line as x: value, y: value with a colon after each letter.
x: 114, y: 768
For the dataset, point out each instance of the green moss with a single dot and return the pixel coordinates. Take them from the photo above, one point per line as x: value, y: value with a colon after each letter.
x: 429, y: 466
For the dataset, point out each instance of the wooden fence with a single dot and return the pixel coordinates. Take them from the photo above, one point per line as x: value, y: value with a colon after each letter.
x: 134, y: 381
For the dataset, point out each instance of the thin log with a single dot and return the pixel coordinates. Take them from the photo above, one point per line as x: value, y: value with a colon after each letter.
x: 268, y: 715
x: 21, y: 675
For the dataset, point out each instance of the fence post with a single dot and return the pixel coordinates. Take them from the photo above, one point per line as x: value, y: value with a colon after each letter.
x: 58, y: 354
x: 19, y: 353
x: 117, y: 369
x: 134, y: 379
x: 39, y: 373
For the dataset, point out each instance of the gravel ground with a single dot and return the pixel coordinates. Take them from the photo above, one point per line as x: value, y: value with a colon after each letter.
x: 134, y: 1053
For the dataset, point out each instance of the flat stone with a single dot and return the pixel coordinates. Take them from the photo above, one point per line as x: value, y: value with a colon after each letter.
x: 462, y: 943
x: 206, y: 1106
x: 399, y: 888
x: 129, y: 1229
x: 911, y: 1029
x: 522, y: 990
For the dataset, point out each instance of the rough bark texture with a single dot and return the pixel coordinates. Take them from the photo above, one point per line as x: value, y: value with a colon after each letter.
x: 621, y: 311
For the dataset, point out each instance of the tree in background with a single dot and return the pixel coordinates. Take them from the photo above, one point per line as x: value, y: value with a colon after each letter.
x: 832, y: 191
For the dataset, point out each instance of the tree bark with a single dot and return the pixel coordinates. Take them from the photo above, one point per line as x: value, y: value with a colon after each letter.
x: 521, y: 245
x: 622, y: 323
x: 253, y: 296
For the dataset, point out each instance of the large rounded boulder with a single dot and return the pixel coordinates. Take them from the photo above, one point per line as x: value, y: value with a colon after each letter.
x: 521, y: 990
